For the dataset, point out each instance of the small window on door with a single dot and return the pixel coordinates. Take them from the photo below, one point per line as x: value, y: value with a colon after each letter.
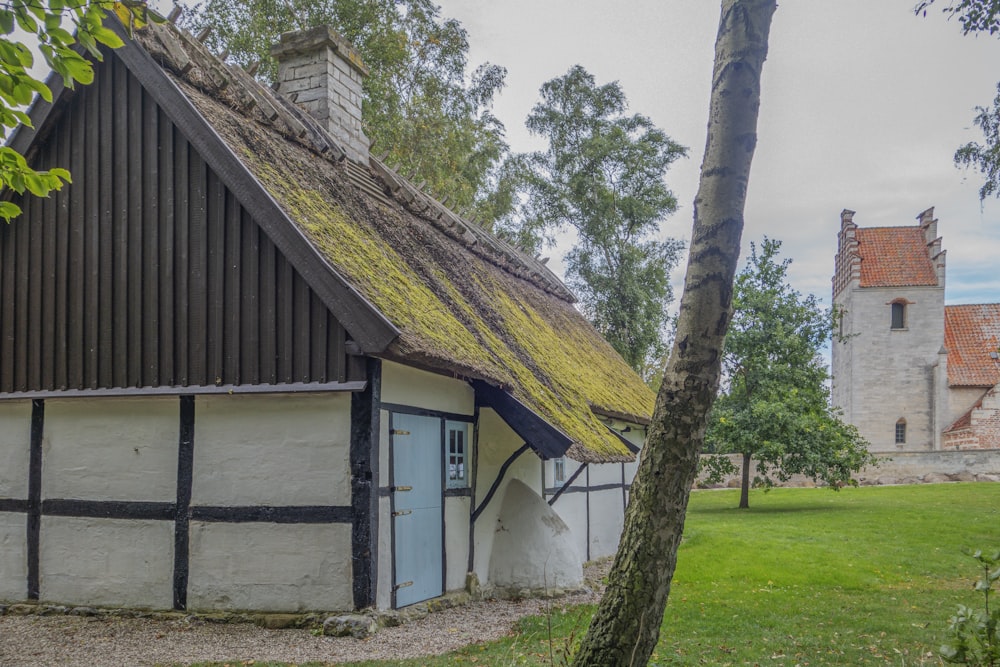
x: 898, y: 315
x: 456, y: 450
x: 559, y: 470
x: 901, y: 432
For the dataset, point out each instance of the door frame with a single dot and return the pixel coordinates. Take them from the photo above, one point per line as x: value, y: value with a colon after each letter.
x: 443, y: 417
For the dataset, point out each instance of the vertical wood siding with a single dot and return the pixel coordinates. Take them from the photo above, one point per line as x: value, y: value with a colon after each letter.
x: 146, y: 271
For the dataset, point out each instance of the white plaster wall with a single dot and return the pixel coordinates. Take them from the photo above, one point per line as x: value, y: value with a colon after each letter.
x: 572, y: 509
x: 276, y: 567
x: 496, y: 443
x: 532, y: 548
x: 277, y: 449
x: 960, y: 399
x: 15, y: 448
x: 111, y: 449
x: 408, y: 386
x: 107, y: 562
x: 383, y: 588
x: 891, y: 371
x: 13, y: 556
x: 456, y: 540
x: 607, y: 515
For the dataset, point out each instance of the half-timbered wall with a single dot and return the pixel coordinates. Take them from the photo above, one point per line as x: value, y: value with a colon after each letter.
x: 146, y: 271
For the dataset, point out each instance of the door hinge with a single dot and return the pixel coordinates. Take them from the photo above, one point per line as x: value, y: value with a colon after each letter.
x: 402, y: 488
x: 399, y: 431
x: 402, y: 512
x: 402, y: 585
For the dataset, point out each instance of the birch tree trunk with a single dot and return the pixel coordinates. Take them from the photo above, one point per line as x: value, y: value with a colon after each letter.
x: 626, y: 626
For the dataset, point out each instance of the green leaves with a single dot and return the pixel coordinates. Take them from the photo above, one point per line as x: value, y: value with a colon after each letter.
x: 433, y: 121
x: 60, y: 27
x: 775, y: 406
x: 975, y: 634
x: 602, y: 175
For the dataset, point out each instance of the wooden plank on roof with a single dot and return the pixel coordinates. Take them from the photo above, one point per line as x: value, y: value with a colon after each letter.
x: 77, y: 250
x: 134, y: 314
x: 233, y: 275
x: 546, y: 440
x: 167, y: 277
x: 91, y: 101
x: 182, y: 260
x: 250, y: 306
x: 105, y: 175
x: 268, y: 341
x: 48, y: 305
x: 150, y: 270
x: 32, y: 219
x: 197, y: 298
x: 120, y: 218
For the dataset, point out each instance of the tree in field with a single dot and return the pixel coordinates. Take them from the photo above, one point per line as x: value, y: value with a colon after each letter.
x: 602, y: 176
x: 775, y: 406
x: 420, y: 108
x: 64, y: 31
x: 979, y: 16
x: 626, y: 625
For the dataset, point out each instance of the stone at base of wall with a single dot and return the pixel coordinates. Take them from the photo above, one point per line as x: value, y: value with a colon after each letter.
x: 366, y: 622
x: 981, y: 465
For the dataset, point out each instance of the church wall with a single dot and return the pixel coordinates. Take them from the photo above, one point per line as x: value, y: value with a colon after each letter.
x: 889, y: 372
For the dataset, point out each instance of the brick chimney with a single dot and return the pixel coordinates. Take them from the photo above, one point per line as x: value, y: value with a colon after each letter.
x: 322, y: 73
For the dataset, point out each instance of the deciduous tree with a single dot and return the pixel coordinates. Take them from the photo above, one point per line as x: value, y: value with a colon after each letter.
x: 775, y: 408
x: 434, y: 122
x: 979, y: 16
x: 626, y: 626
x: 602, y: 175
x: 66, y: 33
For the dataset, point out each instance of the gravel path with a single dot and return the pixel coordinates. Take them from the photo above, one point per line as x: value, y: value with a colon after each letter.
x: 68, y: 641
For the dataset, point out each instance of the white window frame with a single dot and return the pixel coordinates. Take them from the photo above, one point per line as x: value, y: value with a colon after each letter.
x: 456, y: 454
x: 559, y: 470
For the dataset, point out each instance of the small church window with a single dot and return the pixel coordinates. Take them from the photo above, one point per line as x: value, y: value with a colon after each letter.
x: 901, y: 432
x: 456, y: 446
x: 898, y: 315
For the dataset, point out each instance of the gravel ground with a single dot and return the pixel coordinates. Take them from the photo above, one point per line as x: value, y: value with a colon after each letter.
x: 68, y: 641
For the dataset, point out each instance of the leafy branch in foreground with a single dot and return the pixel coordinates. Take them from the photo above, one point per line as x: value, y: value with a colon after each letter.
x: 975, y: 633
x: 66, y: 32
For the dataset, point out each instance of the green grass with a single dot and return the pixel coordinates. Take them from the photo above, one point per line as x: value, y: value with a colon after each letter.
x: 865, y: 576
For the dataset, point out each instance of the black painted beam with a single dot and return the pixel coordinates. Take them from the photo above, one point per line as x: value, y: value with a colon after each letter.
x: 35, y: 495
x: 185, y: 476
x: 365, y: 428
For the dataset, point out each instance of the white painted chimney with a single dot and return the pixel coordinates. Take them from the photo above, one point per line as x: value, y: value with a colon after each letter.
x: 322, y: 73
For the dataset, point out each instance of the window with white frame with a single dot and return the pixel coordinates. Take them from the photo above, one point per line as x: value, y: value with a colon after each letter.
x: 559, y: 470
x: 456, y: 451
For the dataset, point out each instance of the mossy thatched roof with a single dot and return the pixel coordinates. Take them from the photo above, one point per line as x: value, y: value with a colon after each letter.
x: 465, y: 303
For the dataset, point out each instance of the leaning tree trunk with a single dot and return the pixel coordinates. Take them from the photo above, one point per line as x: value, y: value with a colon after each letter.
x: 626, y: 626
x: 745, y: 483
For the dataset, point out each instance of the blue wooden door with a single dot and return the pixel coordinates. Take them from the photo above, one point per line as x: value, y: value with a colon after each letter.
x: 417, y: 514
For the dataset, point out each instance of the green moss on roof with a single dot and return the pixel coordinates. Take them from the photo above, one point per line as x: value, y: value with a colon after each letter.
x: 456, y: 311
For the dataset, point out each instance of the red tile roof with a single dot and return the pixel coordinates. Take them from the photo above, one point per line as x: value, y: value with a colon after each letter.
x: 894, y: 257
x: 971, y: 333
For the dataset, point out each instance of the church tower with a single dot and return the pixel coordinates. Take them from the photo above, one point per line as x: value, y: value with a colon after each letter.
x: 888, y: 283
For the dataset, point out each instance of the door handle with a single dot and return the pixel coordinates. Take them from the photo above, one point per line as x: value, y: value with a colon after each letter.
x: 402, y: 512
x: 402, y: 488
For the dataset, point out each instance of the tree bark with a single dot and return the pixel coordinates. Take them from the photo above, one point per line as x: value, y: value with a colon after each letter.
x: 626, y: 626
x: 745, y: 483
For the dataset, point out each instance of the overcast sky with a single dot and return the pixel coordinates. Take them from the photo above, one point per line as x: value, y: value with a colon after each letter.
x: 863, y: 106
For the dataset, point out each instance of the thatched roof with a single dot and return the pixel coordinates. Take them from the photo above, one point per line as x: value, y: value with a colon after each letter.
x: 465, y: 303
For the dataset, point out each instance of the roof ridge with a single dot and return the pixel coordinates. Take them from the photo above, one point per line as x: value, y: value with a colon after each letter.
x: 180, y: 52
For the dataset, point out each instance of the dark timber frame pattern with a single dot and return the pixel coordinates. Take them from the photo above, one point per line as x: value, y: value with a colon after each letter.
x: 360, y: 513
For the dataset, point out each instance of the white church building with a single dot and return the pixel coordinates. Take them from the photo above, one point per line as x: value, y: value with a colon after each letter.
x: 910, y: 372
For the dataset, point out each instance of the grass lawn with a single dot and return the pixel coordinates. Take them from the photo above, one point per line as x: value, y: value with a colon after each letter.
x: 865, y: 576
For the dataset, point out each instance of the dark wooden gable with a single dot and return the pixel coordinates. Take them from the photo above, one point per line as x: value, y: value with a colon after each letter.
x: 147, y: 271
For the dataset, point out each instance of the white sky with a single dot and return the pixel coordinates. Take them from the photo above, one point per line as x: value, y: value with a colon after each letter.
x: 863, y: 106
